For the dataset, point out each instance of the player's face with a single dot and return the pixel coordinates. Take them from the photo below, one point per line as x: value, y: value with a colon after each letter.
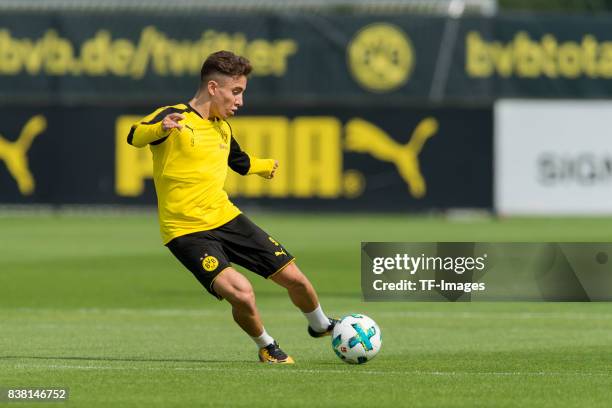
x: 227, y: 97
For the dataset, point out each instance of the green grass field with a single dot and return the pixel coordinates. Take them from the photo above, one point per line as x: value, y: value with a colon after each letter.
x: 97, y: 305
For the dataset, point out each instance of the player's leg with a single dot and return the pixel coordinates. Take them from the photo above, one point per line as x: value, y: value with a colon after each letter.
x: 248, y: 245
x: 238, y: 291
x: 300, y: 290
x: 303, y: 295
x: 232, y: 286
x: 203, y: 255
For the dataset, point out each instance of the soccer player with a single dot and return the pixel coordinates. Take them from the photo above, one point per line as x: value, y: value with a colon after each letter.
x: 193, y: 146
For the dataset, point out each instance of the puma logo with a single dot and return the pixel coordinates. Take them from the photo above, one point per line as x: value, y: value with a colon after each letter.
x: 192, y: 142
x: 364, y: 137
x: 13, y: 154
x: 281, y: 252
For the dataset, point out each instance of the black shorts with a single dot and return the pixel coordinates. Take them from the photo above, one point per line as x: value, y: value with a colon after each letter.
x: 207, y: 253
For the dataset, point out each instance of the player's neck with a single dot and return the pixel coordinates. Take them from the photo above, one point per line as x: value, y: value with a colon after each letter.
x: 201, y: 106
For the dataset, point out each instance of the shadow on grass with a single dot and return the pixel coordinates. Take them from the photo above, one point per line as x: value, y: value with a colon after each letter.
x: 128, y: 359
x: 263, y: 292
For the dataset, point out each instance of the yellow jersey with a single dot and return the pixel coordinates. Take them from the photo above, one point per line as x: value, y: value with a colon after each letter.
x: 190, y: 167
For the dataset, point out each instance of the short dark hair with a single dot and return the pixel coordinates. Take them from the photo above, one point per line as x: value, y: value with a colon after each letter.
x: 225, y: 63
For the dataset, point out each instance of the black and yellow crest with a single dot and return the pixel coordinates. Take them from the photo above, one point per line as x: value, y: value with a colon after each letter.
x: 210, y: 263
x: 224, y: 134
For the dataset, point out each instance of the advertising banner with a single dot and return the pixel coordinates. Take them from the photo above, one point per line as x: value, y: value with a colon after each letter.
x: 330, y: 158
x: 553, y: 157
x: 126, y: 59
x: 302, y: 59
x: 552, y: 56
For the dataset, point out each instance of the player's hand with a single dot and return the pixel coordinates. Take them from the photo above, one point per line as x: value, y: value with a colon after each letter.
x: 273, y: 169
x: 171, y: 121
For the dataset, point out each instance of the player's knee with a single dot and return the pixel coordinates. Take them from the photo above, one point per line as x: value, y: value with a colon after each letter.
x: 292, y: 278
x: 297, y: 281
x: 244, y: 298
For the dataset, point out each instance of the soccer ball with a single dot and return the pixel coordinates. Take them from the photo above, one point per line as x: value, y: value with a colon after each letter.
x: 356, y: 339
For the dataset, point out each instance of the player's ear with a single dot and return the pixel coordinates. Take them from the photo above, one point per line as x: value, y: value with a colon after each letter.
x: 212, y: 87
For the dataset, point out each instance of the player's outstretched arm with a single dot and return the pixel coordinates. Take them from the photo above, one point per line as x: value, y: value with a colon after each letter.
x: 265, y: 168
x: 156, y: 127
x: 244, y: 163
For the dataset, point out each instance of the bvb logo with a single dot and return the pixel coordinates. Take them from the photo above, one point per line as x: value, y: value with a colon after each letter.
x: 210, y: 263
x: 380, y: 57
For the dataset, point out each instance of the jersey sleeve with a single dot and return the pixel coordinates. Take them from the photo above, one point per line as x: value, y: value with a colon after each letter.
x: 149, y: 129
x: 238, y: 160
x: 244, y: 163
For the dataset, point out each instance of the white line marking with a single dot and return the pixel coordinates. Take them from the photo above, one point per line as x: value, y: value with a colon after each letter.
x: 292, y: 369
